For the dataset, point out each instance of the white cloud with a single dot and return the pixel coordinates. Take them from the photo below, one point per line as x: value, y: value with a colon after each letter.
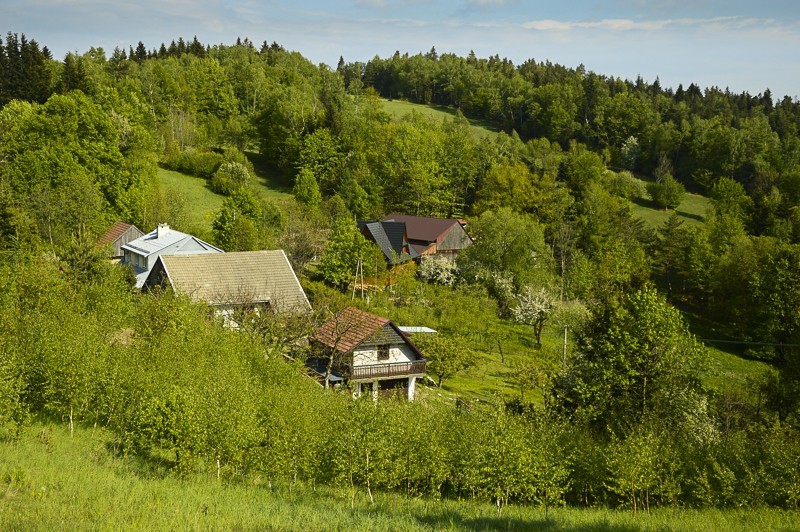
x: 626, y: 24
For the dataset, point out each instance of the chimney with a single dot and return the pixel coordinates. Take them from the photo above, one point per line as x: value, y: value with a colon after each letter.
x: 162, y: 230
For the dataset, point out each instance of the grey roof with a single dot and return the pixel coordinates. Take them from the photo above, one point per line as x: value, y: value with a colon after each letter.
x: 236, y: 278
x: 390, y: 238
x: 150, y: 243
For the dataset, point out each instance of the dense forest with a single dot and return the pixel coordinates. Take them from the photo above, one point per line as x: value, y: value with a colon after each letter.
x: 626, y: 419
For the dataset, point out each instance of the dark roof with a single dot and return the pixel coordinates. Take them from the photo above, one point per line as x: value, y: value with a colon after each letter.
x: 352, y: 327
x: 390, y: 237
x: 116, y: 231
x: 423, y: 228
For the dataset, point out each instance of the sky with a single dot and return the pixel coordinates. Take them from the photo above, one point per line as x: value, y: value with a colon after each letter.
x: 736, y: 44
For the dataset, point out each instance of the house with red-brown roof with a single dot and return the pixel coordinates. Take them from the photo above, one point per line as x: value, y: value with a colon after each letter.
x: 118, y: 235
x: 433, y: 236
x: 367, y: 351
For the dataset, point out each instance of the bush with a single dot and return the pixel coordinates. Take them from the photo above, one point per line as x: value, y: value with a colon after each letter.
x: 229, y: 178
x: 667, y: 193
x: 625, y: 185
x: 196, y: 163
x: 438, y: 270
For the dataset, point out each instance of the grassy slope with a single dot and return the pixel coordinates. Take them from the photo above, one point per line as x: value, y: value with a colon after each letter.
x: 692, y: 210
x: 201, y: 203
x: 52, y: 481
x: 400, y: 108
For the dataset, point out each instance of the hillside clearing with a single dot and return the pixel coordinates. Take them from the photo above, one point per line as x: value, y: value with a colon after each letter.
x: 399, y: 108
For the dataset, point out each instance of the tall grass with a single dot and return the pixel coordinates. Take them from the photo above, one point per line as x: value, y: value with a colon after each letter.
x: 50, y: 480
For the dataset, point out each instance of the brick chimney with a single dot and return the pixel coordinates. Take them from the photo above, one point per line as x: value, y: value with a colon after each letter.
x: 162, y: 230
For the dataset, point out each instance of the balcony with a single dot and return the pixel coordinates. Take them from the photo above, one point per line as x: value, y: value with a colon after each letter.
x: 385, y: 371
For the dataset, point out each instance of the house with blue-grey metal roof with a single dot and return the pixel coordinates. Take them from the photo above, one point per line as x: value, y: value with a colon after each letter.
x: 143, y: 252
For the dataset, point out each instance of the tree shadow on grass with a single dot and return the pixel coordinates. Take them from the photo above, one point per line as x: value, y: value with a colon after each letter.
x: 449, y: 520
x: 690, y: 216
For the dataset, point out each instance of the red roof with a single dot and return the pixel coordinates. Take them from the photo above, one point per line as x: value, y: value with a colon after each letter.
x: 116, y: 231
x: 424, y: 228
x: 350, y: 327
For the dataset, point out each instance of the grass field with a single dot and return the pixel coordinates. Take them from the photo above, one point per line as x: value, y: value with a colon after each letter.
x: 50, y: 480
x: 400, y: 108
x: 201, y: 203
x: 692, y: 210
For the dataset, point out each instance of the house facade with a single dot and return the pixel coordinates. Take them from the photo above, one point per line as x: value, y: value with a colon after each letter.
x: 143, y: 252
x: 118, y: 235
x: 369, y: 352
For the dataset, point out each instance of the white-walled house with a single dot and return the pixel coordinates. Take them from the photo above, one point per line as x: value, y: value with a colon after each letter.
x: 370, y: 352
x: 143, y: 252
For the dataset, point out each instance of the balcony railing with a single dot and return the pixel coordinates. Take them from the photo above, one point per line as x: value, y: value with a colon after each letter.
x: 384, y: 371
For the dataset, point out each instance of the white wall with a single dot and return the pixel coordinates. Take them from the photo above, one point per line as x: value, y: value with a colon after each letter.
x: 397, y: 353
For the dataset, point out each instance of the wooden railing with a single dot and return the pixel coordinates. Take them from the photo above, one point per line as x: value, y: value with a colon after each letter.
x: 383, y: 371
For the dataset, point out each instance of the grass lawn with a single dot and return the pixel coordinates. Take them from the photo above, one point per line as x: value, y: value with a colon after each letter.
x: 400, y: 108
x: 692, y: 210
x: 50, y: 480
x: 201, y: 203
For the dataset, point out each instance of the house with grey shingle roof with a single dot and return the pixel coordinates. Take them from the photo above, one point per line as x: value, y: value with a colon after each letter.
x: 366, y: 350
x: 232, y: 282
x: 391, y: 238
x: 143, y: 252
x: 118, y: 235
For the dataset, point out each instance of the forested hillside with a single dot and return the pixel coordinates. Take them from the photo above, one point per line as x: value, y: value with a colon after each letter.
x: 625, y: 415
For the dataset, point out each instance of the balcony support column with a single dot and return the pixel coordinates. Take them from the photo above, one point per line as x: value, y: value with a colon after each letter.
x: 412, y: 381
x: 375, y: 386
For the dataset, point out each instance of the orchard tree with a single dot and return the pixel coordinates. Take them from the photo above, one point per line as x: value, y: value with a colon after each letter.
x: 632, y: 364
x: 533, y: 308
x: 509, y: 252
x: 446, y: 355
x: 439, y: 270
x: 667, y: 193
x: 229, y: 178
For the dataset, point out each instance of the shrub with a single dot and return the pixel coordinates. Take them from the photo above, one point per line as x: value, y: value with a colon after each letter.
x: 229, y: 178
x: 625, y: 185
x: 667, y: 193
x: 196, y: 163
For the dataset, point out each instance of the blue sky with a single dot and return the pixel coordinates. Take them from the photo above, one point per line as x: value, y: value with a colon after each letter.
x: 746, y: 46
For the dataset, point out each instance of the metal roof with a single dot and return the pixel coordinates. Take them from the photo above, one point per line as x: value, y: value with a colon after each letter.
x: 391, y: 238
x: 412, y: 329
x: 152, y: 243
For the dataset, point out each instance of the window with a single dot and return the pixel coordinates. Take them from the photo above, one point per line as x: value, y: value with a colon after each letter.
x: 383, y: 352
